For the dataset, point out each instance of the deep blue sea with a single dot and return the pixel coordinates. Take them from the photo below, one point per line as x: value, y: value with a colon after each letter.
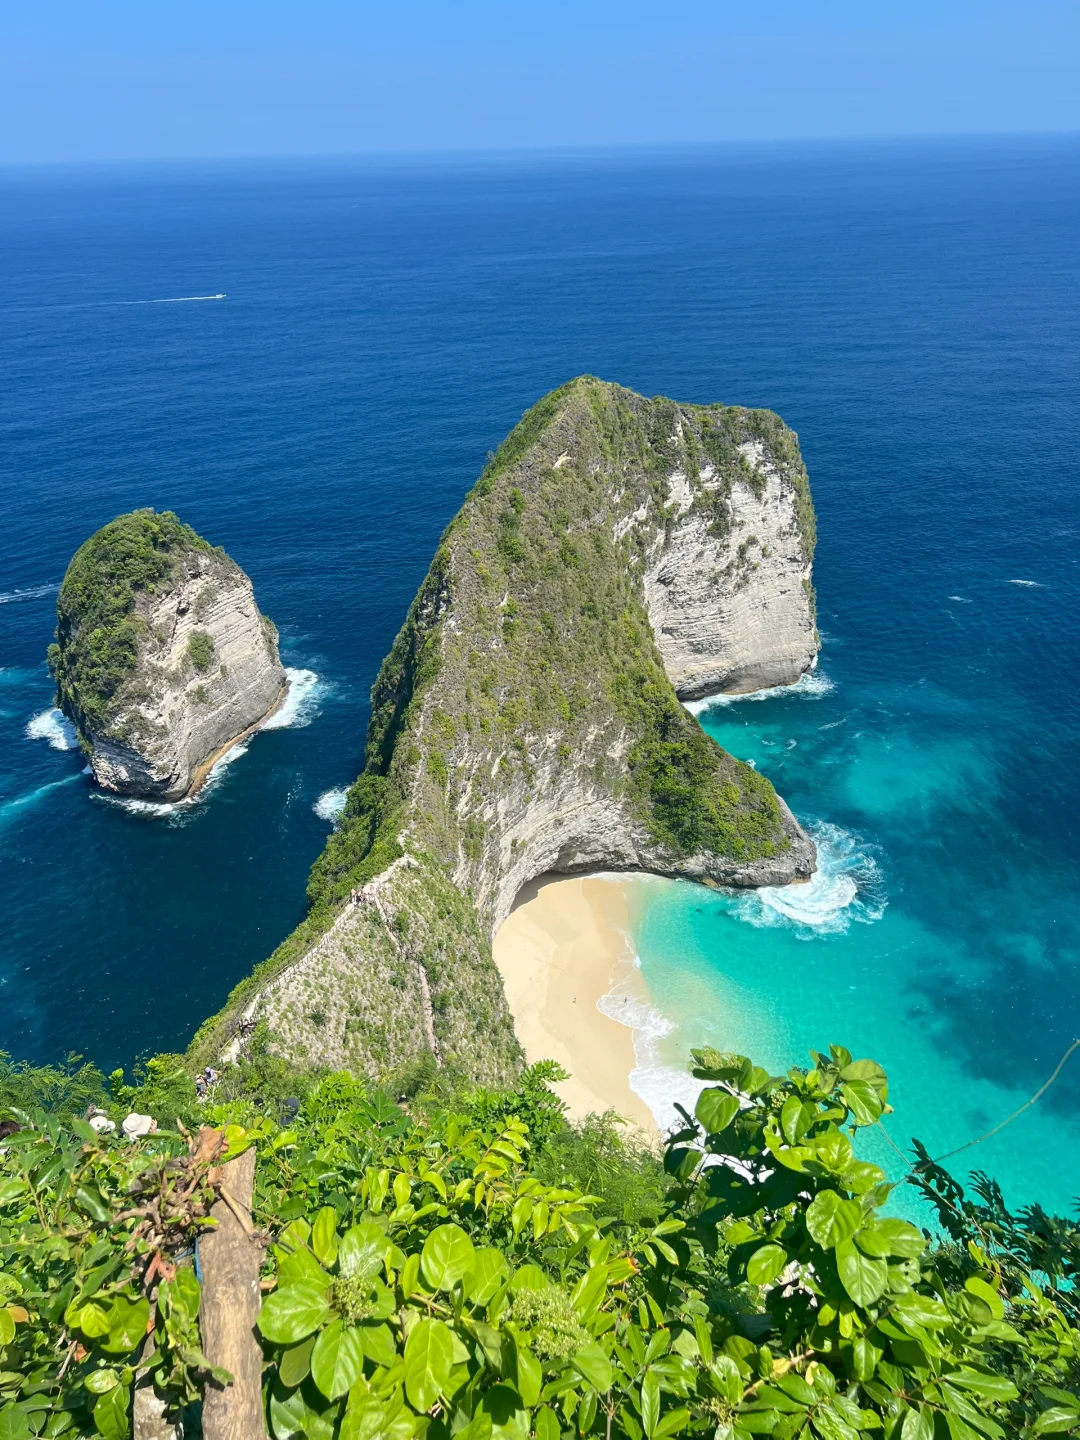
x: 912, y: 310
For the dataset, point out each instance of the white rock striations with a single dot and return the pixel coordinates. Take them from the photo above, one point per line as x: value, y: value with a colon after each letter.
x: 202, y: 666
x: 732, y: 612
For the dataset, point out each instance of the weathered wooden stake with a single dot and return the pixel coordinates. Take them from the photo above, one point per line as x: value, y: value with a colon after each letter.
x: 229, y: 1258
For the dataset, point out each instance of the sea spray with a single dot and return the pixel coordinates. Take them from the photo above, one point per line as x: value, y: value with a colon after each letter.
x: 53, y: 727
x: 847, y: 887
x: 330, y: 805
x: 813, y: 683
x: 301, y: 704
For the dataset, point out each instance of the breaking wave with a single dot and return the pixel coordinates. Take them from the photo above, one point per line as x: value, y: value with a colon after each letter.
x: 301, y: 704
x: 814, y: 682
x: 54, y: 727
x: 846, y: 887
x: 331, y: 805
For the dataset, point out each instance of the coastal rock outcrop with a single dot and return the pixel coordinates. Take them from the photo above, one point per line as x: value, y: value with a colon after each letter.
x: 616, y: 554
x: 162, y: 659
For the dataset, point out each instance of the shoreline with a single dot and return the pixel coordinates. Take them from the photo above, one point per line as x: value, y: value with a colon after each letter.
x: 559, y: 952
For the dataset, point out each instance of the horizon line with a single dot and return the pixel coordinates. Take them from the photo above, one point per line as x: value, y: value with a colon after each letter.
x: 565, y: 150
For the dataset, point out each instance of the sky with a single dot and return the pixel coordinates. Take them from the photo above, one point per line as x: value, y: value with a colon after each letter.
x: 132, y: 80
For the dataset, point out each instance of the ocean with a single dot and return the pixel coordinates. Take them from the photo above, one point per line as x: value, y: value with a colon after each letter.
x: 912, y: 310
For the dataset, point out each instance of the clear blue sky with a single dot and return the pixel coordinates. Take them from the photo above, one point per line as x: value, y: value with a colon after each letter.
x: 128, y: 79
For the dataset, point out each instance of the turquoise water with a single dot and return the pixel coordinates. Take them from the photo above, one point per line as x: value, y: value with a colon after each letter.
x: 932, y: 939
x: 912, y: 310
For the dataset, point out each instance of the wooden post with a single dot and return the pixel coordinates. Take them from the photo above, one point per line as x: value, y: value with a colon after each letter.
x: 229, y: 1258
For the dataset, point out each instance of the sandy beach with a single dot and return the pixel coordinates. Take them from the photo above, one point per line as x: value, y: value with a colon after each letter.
x: 558, y: 952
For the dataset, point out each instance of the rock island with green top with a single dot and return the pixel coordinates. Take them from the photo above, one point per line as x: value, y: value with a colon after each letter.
x: 162, y: 659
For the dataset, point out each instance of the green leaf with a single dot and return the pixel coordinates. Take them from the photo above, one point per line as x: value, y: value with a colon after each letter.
x: 765, y: 1264
x: 127, y: 1325
x: 832, y: 1219
x: 292, y: 1313
x: 100, y: 1382
x: 546, y: 1425
x: 365, y: 1415
x: 14, y: 1424
x: 489, y: 1271
x: 446, y: 1258
x: 337, y: 1361
x: 863, y: 1101
x: 530, y: 1377
x: 7, y: 1327
x: 796, y: 1117
x: 92, y: 1320
x: 918, y: 1424
x: 864, y: 1357
x: 295, y: 1414
x: 672, y: 1422
x: 993, y: 1387
x: 1056, y: 1421
x: 591, y: 1362
x: 295, y: 1363
x: 726, y: 1378
x: 361, y: 1250
x: 863, y: 1277
x: 650, y: 1403
x: 987, y: 1294
x: 429, y: 1358
x: 830, y: 1426
x: 301, y: 1268
x: 716, y: 1109
x: 378, y: 1344
x: 324, y: 1237
x: 904, y: 1240
x: 90, y: 1200
x: 184, y: 1291
x: 111, y: 1413
x: 509, y: 1418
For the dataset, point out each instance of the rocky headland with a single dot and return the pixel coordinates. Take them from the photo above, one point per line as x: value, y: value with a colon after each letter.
x: 162, y: 660
x: 617, y: 555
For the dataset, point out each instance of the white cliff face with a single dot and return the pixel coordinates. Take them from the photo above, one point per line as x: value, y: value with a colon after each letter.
x: 208, y: 672
x: 732, y: 612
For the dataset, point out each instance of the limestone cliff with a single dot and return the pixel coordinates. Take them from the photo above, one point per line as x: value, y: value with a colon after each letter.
x: 162, y: 659
x: 616, y: 553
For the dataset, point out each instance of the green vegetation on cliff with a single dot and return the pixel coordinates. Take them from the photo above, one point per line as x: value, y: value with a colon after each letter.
x: 551, y: 636
x: 473, y: 1267
x: 99, y: 629
x: 527, y: 668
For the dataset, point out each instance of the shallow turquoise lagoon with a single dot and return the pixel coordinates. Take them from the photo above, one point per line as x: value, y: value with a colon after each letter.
x: 928, y: 940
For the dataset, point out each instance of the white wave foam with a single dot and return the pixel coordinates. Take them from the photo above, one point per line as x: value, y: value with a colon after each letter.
x: 54, y: 727
x: 301, y: 704
x: 174, y: 809
x: 847, y: 886
x: 659, y: 1085
x: 10, y: 808
x: 960, y: 599
x: 814, y: 682
x: 157, y: 809
x: 1031, y: 584
x: 32, y: 592
x: 331, y: 805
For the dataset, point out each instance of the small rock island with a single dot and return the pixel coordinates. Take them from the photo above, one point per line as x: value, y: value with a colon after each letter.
x: 162, y: 659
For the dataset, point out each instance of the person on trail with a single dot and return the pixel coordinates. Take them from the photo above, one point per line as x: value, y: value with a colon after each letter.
x: 200, y: 1087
